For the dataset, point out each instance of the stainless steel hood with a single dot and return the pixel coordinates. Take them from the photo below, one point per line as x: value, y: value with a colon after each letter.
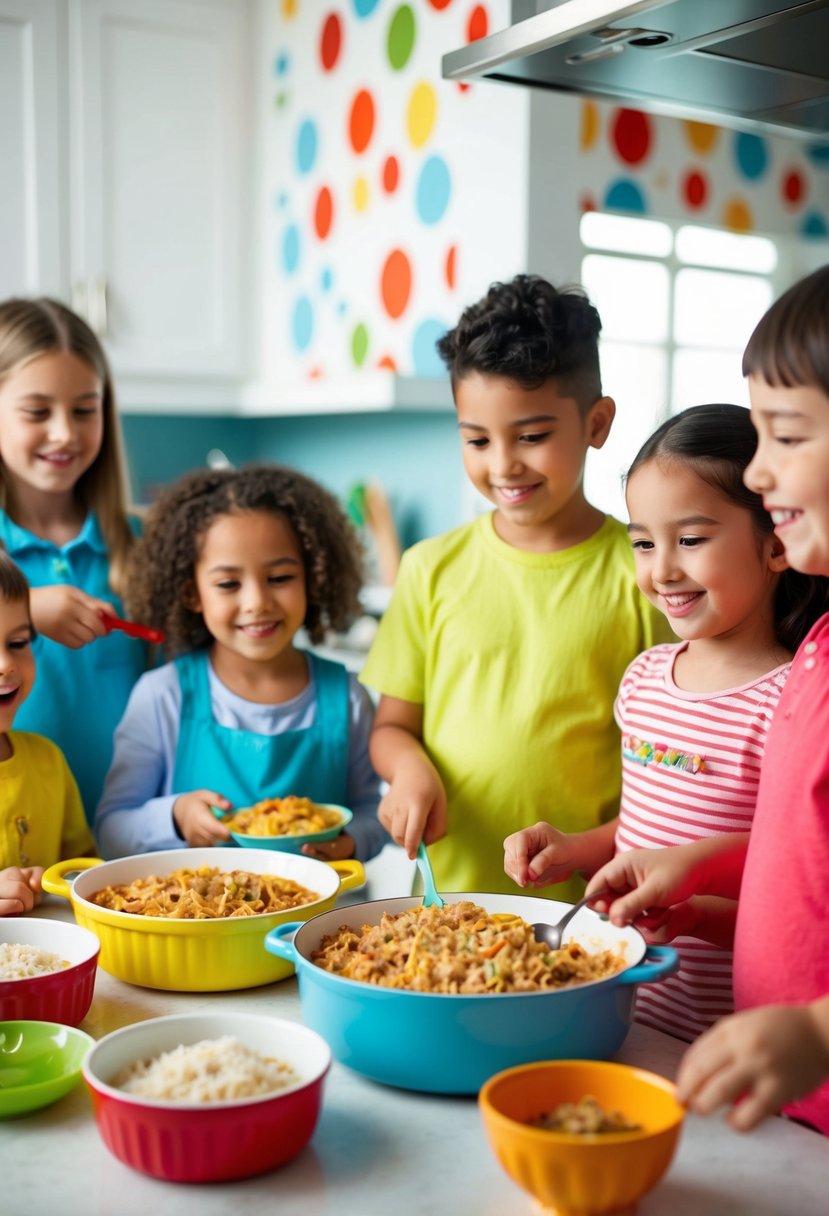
x: 758, y: 64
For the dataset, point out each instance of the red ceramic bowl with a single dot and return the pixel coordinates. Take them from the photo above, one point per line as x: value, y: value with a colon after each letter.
x: 59, y: 996
x: 195, y: 1142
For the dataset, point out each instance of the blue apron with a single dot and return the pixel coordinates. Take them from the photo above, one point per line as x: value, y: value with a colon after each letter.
x: 247, y: 767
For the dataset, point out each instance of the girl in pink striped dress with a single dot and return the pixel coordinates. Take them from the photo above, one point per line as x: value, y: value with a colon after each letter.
x: 693, y: 715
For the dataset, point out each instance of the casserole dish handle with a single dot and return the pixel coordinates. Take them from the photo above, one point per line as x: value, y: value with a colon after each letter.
x: 53, y: 880
x: 275, y: 942
x: 352, y: 874
x: 658, y: 962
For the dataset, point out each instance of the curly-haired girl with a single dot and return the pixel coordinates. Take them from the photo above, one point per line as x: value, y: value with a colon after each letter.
x: 231, y: 565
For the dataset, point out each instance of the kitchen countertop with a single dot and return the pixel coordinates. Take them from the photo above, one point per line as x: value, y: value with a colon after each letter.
x: 378, y: 1150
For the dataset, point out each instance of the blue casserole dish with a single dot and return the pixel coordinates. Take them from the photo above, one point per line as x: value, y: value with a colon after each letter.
x: 441, y: 1043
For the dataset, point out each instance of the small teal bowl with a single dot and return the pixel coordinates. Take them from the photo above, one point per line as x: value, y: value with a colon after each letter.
x: 39, y: 1063
x: 293, y: 844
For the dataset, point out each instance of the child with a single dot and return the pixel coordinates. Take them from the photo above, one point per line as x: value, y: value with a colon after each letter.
x: 232, y: 564
x: 63, y: 519
x: 41, y: 817
x: 505, y: 640
x: 693, y: 715
x: 775, y: 1052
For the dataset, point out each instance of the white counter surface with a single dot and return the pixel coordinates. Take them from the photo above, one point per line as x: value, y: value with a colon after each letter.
x: 379, y: 1151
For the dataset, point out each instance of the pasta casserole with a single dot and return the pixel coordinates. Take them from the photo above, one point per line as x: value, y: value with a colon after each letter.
x: 289, y: 816
x: 459, y: 948
x: 204, y: 893
x: 584, y: 1118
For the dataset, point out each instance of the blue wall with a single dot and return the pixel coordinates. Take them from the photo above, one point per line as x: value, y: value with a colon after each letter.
x: 415, y: 456
x: 161, y: 447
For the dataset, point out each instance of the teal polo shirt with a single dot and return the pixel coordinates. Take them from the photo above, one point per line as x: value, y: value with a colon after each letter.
x: 78, y: 696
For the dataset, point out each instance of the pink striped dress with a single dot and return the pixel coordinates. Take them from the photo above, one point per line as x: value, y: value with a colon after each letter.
x: 690, y: 768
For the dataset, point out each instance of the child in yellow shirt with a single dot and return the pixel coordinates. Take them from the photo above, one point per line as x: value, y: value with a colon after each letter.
x: 500, y: 655
x: 41, y: 816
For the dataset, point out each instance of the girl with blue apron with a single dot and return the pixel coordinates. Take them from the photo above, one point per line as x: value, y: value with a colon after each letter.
x: 246, y: 767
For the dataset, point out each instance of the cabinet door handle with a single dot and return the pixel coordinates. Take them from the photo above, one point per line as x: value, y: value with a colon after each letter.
x: 99, y: 319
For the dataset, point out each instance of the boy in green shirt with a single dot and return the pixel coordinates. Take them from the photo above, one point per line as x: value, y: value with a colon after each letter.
x: 501, y: 652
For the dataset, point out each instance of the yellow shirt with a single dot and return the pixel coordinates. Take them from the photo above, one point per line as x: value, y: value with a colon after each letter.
x: 41, y: 816
x: 516, y: 658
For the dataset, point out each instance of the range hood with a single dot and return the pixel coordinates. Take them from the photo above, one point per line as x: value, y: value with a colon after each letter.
x: 756, y: 64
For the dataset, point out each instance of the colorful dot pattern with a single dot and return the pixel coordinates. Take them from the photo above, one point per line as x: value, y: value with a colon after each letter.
x: 371, y: 171
x: 674, y: 168
x: 368, y: 229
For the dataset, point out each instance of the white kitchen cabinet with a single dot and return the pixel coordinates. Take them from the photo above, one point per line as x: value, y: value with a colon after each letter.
x: 31, y: 141
x: 124, y: 140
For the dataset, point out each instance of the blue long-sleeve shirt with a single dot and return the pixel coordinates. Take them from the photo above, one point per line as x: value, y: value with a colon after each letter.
x: 135, y: 814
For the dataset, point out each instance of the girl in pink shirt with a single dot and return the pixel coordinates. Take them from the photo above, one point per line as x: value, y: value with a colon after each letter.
x: 774, y: 1053
x: 693, y: 715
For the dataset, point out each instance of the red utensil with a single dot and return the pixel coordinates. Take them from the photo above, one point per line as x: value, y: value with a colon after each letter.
x: 132, y: 629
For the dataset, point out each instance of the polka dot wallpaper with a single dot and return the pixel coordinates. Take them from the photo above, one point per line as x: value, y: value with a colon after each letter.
x: 396, y: 197
x: 382, y: 205
x: 672, y: 168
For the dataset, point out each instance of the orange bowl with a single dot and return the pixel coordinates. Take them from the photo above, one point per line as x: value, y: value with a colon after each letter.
x: 575, y: 1174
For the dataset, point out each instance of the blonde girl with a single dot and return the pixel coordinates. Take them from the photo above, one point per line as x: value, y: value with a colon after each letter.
x: 232, y: 565
x: 63, y: 518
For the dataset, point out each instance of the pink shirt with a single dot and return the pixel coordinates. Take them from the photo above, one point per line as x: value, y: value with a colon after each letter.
x: 690, y: 769
x: 781, y: 948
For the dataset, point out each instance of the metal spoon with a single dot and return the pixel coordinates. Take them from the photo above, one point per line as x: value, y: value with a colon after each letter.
x: 550, y: 935
x: 431, y: 899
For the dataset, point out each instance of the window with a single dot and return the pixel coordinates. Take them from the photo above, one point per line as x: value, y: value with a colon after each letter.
x: 678, y: 304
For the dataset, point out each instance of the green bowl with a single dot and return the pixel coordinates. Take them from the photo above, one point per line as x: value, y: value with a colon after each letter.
x: 293, y: 844
x: 39, y: 1063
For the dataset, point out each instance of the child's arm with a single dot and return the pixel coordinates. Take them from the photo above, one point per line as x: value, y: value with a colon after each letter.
x: 19, y: 889
x: 541, y: 855
x: 757, y: 1061
x: 68, y: 615
x: 414, y: 809
x: 135, y: 814
x: 649, y: 880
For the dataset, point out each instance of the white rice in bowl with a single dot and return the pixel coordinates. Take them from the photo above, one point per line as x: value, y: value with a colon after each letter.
x: 213, y: 1070
x: 22, y: 962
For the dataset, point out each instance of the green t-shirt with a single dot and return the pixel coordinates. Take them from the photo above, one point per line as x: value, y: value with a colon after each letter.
x: 516, y: 658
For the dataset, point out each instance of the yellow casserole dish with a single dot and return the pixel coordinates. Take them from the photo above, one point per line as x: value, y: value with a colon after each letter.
x: 195, y: 955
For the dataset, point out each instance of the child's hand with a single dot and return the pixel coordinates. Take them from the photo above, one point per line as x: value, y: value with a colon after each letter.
x: 68, y: 615
x: 538, y: 856
x: 340, y: 848
x: 196, y: 821
x: 645, y: 882
x: 659, y: 926
x: 414, y: 809
x: 20, y: 889
x: 757, y: 1061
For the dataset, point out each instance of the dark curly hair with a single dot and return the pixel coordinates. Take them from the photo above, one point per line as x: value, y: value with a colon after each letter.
x: 161, y: 576
x: 718, y: 442
x: 530, y: 332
